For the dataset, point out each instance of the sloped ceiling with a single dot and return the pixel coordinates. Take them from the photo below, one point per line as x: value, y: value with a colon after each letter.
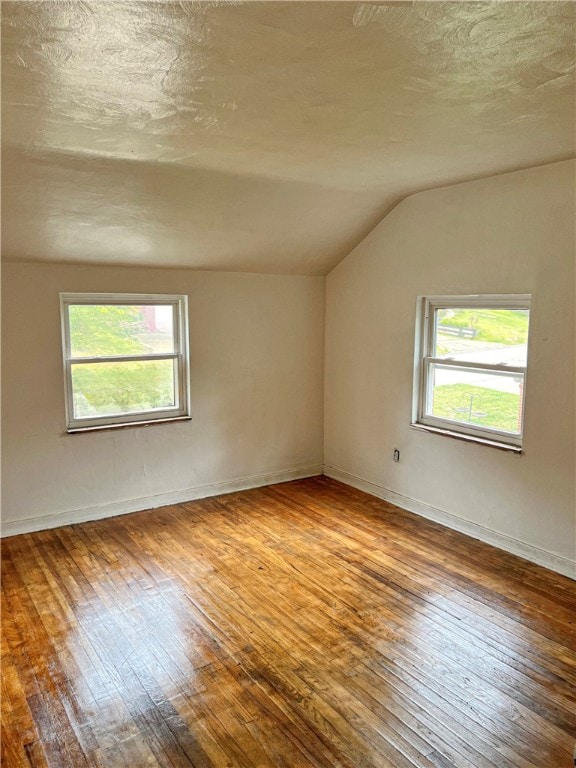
x: 264, y: 136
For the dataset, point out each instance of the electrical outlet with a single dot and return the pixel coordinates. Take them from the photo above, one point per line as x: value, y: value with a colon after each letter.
x: 396, y: 454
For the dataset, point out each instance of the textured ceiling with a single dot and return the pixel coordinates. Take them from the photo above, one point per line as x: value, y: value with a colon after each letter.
x: 264, y: 136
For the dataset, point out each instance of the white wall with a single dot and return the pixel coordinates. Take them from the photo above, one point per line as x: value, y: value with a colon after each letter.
x: 257, y: 400
x: 257, y: 366
x: 508, y: 234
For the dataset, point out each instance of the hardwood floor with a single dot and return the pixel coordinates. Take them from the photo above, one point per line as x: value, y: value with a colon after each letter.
x: 303, y: 624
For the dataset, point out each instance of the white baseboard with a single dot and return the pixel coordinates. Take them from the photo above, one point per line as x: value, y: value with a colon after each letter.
x: 43, y: 522
x: 556, y: 563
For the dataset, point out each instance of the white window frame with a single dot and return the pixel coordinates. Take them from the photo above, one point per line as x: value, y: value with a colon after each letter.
x: 424, y: 360
x: 180, y: 411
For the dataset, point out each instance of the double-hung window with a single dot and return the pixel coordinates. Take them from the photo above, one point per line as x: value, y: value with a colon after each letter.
x: 470, y: 367
x: 125, y: 359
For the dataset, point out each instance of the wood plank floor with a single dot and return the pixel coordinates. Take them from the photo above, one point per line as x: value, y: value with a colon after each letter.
x: 303, y: 624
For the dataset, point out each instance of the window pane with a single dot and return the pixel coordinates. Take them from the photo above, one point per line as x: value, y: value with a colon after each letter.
x: 108, y: 330
x: 493, y: 336
x: 111, y: 389
x: 480, y: 398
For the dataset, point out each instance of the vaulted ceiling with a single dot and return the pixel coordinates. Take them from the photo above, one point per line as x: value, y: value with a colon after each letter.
x: 264, y: 136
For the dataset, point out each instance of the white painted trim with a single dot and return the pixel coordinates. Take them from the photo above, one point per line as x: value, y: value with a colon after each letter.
x: 43, y: 522
x: 425, y: 359
x: 556, y: 563
x: 180, y: 357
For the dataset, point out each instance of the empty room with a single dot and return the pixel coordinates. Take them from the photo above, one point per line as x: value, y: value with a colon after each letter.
x: 288, y: 384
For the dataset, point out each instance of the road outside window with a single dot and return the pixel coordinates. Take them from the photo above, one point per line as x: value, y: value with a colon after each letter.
x: 471, y: 362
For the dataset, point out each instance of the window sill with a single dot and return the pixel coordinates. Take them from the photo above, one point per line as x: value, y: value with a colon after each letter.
x: 468, y: 438
x: 126, y: 425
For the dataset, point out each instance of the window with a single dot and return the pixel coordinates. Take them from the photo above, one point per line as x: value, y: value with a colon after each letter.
x: 470, y: 372
x: 125, y: 359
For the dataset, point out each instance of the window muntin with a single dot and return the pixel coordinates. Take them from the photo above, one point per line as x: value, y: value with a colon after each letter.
x: 125, y: 358
x: 471, y: 359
